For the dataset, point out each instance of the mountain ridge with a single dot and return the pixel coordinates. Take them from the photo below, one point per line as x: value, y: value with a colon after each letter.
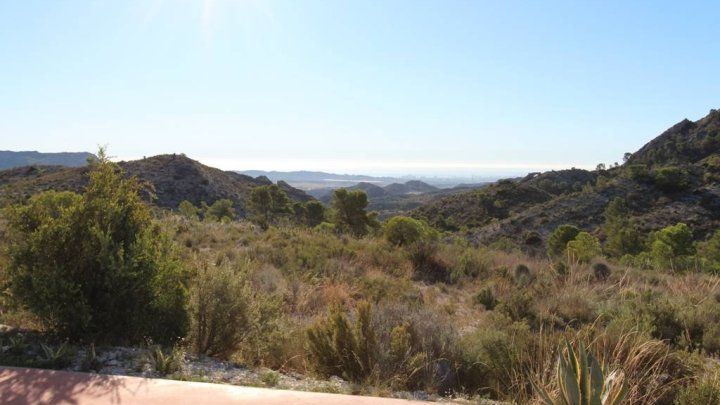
x: 11, y: 159
x: 675, y: 177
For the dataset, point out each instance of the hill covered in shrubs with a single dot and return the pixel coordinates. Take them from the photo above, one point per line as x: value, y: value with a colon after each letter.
x: 674, y: 178
x: 171, y: 179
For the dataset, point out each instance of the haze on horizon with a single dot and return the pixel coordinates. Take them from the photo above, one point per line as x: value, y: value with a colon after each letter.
x: 364, y: 87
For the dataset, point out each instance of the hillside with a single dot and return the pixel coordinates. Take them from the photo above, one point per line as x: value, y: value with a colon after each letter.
x: 174, y: 178
x: 673, y: 178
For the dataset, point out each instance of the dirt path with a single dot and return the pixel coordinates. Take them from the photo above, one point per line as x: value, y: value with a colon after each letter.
x: 44, y: 387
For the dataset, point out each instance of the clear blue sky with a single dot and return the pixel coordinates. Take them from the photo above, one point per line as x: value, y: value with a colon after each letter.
x: 445, y: 86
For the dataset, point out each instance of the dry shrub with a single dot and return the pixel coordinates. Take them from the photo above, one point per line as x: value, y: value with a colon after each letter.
x: 427, y: 264
x: 653, y: 373
x: 573, y: 308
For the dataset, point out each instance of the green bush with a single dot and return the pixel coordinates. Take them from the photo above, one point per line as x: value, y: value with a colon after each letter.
x: 401, y: 230
x: 96, y: 266
x: 584, y: 248
x: 188, y: 210
x: 671, y: 178
x: 218, y: 311
x: 672, y: 246
x: 222, y: 211
x: 638, y: 172
x: 493, y: 359
x: 559, y: 238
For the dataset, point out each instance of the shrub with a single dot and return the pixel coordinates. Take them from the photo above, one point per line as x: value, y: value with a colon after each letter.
x: 671, y: 178
x: 219, y: 311
x: 337, y: 349
x: 222, y: 211
x: 473, y: 263
x: 559, y: 238
x: 560, y: 268
x: 486, y: 298
x: 187, y: 210
x: 601, y: 271
x: 401, y: 230
x: 584, y: 247
x: 532, y: 238
x: 164, y: 362
x: 710, y: 251
x: 427, y: 264
x: 699, y: 393
x: 494, y: 359
x: 574, y: 308
x: 518, y: 306
x: 670, y: 245
x: 522, y: 275
x: 638, y: 172
x: 96, y: 266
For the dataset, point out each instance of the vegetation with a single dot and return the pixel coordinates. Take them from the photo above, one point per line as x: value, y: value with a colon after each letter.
x: 403, y: 231
x: 351, y: 212
x: 106, y: 271
x: 558, y: 240
x: 581, y: 380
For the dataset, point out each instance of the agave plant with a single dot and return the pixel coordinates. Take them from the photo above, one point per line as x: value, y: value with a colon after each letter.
x: 582, y: 381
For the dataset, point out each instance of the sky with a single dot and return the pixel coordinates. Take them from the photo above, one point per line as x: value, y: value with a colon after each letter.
x: 391, y: 87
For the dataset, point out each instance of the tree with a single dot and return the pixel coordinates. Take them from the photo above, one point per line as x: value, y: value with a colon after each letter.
x: 671, y: 244
x: 557, y: 241
x: 268, y: 203
x: 96, y: 266
x: 600, y: 167
x: 314, y: 213
x: 188, y: 210
x: 401, y: 230
x: 299, y: 212
x: 350, y: 212
x: 622, y: 237
x: 584, y: 247
x: 626, y: 157
x: 222, y: 210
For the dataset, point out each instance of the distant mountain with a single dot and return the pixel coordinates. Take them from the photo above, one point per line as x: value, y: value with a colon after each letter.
x: 10, y: 159
x: 173, y: 178
x: 673, y: 178
x: 310, y: 176
x: 322, y: 183
x: 410, y: 187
